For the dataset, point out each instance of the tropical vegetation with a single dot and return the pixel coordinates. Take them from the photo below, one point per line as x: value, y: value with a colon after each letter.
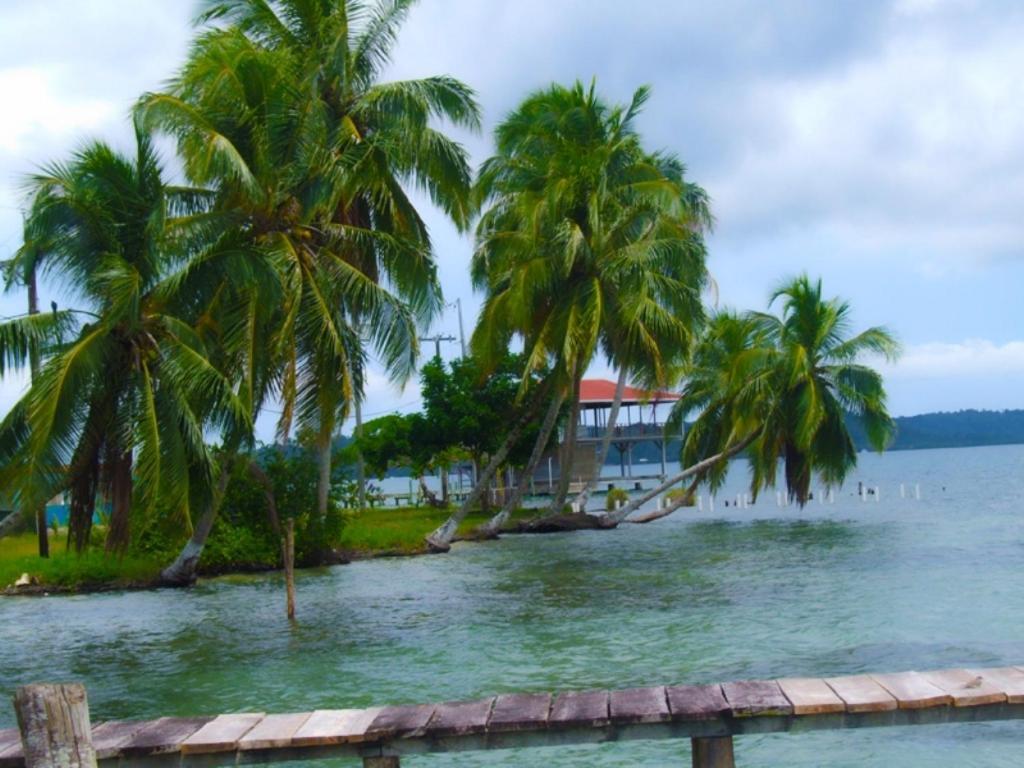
x: 295, y: 252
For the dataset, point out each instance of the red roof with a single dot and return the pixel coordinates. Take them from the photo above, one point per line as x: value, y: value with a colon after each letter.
x: 602, y: 391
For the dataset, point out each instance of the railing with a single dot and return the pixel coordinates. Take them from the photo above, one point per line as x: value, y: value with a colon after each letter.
x: 55, y: 728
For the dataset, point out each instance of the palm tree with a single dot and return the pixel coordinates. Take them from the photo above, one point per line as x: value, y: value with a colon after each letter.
x: 122, y: 399
x: 18, y: 271
x: 781, y: 388
x: 586, y: 242
x: 281, y: 110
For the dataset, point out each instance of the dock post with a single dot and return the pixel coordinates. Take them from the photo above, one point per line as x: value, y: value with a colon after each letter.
x: 381, y: 761
x: 54, y: 725
x: 713, y: 753
x: 289, y: 566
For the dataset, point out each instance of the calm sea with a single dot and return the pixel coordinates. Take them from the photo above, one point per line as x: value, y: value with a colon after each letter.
x: 762, y: 591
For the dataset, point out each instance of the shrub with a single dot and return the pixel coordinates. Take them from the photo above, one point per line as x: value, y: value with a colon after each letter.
x: 680, y: 493
x: 615, y: 495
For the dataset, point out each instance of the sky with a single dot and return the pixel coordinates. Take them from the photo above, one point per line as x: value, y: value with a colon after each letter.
x: 876, y: 145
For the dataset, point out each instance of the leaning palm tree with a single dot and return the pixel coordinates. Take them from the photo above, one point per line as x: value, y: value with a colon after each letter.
x: 283, y: 109
x: 125, y: 389
x: 781, y: 388
x: 587, y: 243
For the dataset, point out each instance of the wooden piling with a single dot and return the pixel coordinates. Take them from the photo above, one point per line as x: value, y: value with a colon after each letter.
x: 386, y: 761
x: 54, y: 725
x: 289, y: 565
x: 713, y: 753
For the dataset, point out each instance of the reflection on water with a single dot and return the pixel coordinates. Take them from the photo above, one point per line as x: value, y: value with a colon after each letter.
x: 700, y: 596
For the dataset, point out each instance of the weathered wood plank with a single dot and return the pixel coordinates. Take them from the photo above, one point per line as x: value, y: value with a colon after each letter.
x: 810, y: 696
x: 696, y: 702
x: 520, y: 712
x: 967, y: 688
x: 108, y: 738
x: 220, y: 734
x: 756, y: 697
x: 579, y: 708
x: 457, y: 718
x: 861, y: 693
x: 404, y: 722
x: 163, y: 735
x: 335, y: 726
x: 1010, y: 680
x: 639, y: 705
x: 912, y: 690
x: 54, y: 724
x: 11, y: 755
x: 274, y: 731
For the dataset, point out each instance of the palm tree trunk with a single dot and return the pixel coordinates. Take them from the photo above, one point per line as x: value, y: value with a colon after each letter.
x: 440, y: 540
x: 666, y: 511
x: 360, y: 464
x: 323, y: 481
x: 617, y: 516
x: 492, y: 526
x: 183, y: 570
x: 568, y: 449
x: 606, y: 441
x: 119, y: 533
x: 33, y: 357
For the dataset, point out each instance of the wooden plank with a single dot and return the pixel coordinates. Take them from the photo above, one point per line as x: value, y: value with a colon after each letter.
x: 163, y: 735
x: 913, y: 691
x: 54, y: 724
x: 579, y: 708
x: 1010, y: 680
x: 810, y: 696
x: 696, y: 702
x: 335, y: 726
x: 274, y: 731
x: 520, y: 712
x: 861, y: 693
x: 11, y: 754
x: 108, y: 738
x: 749, y: 698
x: 220, y: 734
x: 405, y: 722
x: 458, y: 718
x: 639, y: 705
x: 968, y: 689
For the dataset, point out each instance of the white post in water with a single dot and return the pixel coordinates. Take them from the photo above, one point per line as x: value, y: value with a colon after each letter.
x: 700, y: 503
x: 878, y: 494
x: 831, y: 496
x: 917, y: 491
x: 711, y: 503
x: 903, y: 490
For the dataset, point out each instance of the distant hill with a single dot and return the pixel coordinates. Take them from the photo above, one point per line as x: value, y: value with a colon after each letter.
x: 952, y: 430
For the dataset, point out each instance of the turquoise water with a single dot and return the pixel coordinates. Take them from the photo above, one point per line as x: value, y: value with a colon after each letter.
x: 835, y: 588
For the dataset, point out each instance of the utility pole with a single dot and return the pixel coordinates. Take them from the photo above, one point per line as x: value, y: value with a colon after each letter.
x: 437, y: 342
x: 462, y: 332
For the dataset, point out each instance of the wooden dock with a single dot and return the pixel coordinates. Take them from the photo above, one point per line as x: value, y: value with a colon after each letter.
x: 710, y: 715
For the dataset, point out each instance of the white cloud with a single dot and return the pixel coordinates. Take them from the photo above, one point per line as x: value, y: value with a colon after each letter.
x: 967, y: 359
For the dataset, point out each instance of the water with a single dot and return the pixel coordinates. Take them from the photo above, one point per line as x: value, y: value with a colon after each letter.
x: 843, y: 588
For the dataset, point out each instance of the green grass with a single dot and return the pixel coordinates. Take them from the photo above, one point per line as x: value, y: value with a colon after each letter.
x: 18, y: 555
x: 398, y: 530
x: 402, y: 529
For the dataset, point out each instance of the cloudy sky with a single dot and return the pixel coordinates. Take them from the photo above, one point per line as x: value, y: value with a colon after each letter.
x: 879, y: 145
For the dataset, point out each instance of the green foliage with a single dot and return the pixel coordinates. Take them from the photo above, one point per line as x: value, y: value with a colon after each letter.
x: 615, y: 495
x: 680, y: 493
x: 18, y: 555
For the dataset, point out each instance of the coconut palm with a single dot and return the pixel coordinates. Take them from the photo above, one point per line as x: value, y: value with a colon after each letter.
x: 586, y: 243
x: 282, y: 111
x: 125, y: 389
x: 781, y: 388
